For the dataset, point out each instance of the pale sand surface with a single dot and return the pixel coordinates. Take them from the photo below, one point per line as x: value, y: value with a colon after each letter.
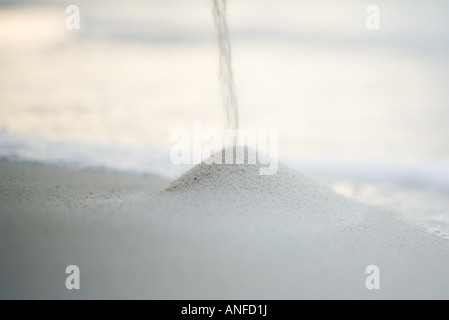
x: 219, y: 231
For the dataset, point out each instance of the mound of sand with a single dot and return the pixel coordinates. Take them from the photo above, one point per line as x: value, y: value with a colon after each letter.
x: 217, y: 232
x: 287, y: 236
x: 239, y: 190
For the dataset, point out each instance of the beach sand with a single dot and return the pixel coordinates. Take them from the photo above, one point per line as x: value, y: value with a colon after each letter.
x: 217, y: 232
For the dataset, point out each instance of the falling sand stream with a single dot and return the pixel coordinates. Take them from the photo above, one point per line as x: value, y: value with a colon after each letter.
x: 226, y: 77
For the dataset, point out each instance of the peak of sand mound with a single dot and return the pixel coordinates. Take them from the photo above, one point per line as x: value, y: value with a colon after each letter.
x: 241, y: 189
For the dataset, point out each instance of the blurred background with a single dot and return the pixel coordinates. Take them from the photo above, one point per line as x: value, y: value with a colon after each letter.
x: 364, y: 111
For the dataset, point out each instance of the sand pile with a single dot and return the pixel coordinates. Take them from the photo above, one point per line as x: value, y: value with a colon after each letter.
x: 287, y: 236
x: 239, y: 190
x: 217, y: 232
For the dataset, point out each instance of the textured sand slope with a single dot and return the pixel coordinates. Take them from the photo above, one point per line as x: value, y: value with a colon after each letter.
x: 219, y: 231
x: 240, y: 191
x: 302, y: 239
